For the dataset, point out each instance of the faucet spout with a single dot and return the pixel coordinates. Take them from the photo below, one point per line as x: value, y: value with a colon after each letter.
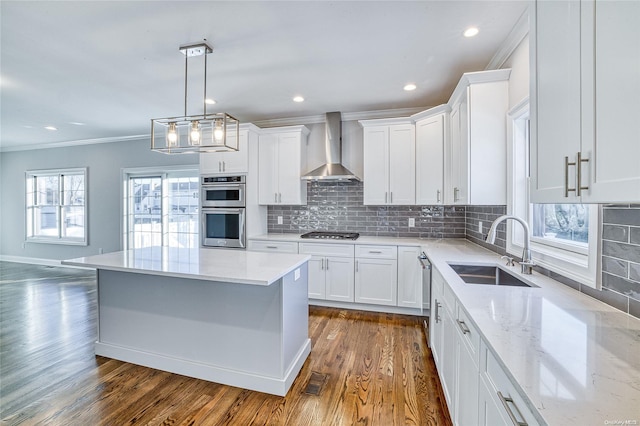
x: 527, y: 263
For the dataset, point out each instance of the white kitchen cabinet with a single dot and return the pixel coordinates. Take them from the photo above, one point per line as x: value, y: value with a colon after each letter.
x: 476, y: 166
x: 331, y: 271
x: 281, y: 162
x: 409, y: 277
x: 430, y: 144
x: 584, y: 111
x: 389, y: 162
x: 233, y: 161
x: 490, y: 412
x: 467, y: 374
x: 376, y: 277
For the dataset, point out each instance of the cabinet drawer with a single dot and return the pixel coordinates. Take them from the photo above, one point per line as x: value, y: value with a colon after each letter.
x: 470, y: 334
x: 275, y: 246
x: 498, y: 382
x: 324, y: 249
x: 449, y: 299
x: 377, y: 252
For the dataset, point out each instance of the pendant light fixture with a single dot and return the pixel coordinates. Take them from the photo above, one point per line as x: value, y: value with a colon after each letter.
x: 195, y: 133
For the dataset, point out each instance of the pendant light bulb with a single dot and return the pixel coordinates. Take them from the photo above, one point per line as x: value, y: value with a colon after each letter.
x: 218, y: 133
x: 194, y: 134
x: 172, y: 135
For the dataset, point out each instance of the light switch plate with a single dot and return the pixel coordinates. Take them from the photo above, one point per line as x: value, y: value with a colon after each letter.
x: 279, y: 220
x: 480, y: 227
x: 412, y: 222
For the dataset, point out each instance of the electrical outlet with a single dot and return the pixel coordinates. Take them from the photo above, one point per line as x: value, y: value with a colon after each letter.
x: 412, y: 222
x: 279, y: 220
x: 480, y: 227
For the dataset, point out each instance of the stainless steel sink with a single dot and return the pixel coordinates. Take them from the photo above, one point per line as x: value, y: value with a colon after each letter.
x: 488, y: 274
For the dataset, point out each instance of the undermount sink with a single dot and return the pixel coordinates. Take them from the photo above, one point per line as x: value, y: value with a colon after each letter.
x: 488, y: 274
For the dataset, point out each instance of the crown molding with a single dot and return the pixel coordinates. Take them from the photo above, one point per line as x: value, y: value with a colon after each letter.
x: 510, y: 44
x: 74, y: 143
x: 346, y: 116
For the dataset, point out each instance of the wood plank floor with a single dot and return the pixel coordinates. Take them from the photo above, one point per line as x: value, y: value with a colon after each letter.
x: 364, y: 368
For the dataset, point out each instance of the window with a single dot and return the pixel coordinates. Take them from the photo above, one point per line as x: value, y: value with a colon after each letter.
x: 564, y: 236
x: 56, y: 207
x: 161, y: 208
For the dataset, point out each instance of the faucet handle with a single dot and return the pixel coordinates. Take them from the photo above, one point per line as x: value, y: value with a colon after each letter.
x: 509, y: 260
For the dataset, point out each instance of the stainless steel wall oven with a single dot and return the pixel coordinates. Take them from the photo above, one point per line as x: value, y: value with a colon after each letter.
x: 222, y: 217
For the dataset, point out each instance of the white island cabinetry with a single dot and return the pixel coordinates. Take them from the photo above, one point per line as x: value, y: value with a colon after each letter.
x: 234, y: 317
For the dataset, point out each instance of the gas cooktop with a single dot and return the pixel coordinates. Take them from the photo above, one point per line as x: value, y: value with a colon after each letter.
x: 331, y: 235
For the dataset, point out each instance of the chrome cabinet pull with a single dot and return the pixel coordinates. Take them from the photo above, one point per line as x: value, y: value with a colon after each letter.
x: 463, y: 327
x: 272, y: 247
x: 322, y: 263
x: 279, y: 197
x: 327, y: 264
x: 356, y: 266
x: 438, y: 196
x: 455, y: 194
x: 375, y: 251
x: 391, y: 197
x: 219, y: 166
x: 275, y: 197
x: 505, y: 402
x: 224, y: 166
x: 385, y: 198
x: 579, y: 162
x: 437, y: 312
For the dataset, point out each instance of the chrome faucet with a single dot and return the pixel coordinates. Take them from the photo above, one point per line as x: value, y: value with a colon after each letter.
x: 526, y: 266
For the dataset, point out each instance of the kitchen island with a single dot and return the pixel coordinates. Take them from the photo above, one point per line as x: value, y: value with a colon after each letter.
x: 234, y: 317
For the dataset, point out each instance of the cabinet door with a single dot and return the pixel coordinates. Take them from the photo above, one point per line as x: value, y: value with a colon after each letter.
x: 376, y: 165
x: 430, y: 160
x: 402, y: 164
x: 316, y: 278
x: 376, y: 281
x: 448, y: 358
x: 268, y: 169
x: 291, y: 189
x: 339, y: 279
x: 409, y: 277
x: 555, y: 98
x: 453, y: 188
x: 435, y: 323
x: 237, y: 161
x: 490, y: 410
x: 466, y: 387
x: 613, y: 150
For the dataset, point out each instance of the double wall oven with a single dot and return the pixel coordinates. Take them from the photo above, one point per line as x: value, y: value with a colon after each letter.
x: 222, y: 217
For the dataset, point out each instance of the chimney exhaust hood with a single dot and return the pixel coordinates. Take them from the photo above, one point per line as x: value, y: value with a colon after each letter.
x: 333, y: 170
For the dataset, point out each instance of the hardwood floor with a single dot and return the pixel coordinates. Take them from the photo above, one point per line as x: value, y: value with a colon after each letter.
x: 364, y: 368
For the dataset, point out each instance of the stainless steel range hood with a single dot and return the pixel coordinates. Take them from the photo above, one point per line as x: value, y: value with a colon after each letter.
x: 333, y: 169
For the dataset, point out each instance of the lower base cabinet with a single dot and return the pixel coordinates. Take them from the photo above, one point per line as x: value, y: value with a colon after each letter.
x: 376, y: 279
x: 476, y: 388
x: 331, y: 278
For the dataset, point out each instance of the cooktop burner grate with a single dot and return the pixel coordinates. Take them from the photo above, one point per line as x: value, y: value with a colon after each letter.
x: 331, y: 235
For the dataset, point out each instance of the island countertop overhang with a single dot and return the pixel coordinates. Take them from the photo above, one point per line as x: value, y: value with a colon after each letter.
x: 210, y: 264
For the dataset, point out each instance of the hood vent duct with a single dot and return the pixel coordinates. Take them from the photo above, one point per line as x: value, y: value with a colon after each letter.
x: 333, y: 170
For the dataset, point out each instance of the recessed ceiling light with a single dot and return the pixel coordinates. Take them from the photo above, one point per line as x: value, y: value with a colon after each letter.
x: 76, y: 123
x: 298, y: 99
x: 409, y: 87
x: 209, y: 101
x: 50, y: 128
x: 471, y: 32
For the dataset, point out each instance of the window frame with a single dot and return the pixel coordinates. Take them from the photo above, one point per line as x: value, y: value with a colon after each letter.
x: 29, y: 212
x: 164, y: 173
x: 571, y: 261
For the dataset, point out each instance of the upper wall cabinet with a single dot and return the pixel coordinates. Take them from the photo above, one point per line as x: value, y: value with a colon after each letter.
x: 282, y: 159
x: 233, y: 161
x: 389, y: 162
x: 585, y: 102
x: 431, y: 130
x: 477, y: 164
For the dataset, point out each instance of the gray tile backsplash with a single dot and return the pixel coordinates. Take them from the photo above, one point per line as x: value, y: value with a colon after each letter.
x: 621, y: 250
x: 338, y: 206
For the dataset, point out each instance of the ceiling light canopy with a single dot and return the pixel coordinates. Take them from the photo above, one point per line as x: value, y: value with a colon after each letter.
x: 195, y: 133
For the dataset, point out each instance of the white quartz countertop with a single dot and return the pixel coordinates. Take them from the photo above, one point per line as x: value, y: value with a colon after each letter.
x: 225, y: 265
x: 575, y: 358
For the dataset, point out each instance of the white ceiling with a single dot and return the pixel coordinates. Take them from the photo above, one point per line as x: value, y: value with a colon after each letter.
x: 113, y: 66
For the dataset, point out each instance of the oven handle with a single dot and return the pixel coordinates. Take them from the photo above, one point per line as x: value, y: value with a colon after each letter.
x: 206, y: 210
x: 223, y: 186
